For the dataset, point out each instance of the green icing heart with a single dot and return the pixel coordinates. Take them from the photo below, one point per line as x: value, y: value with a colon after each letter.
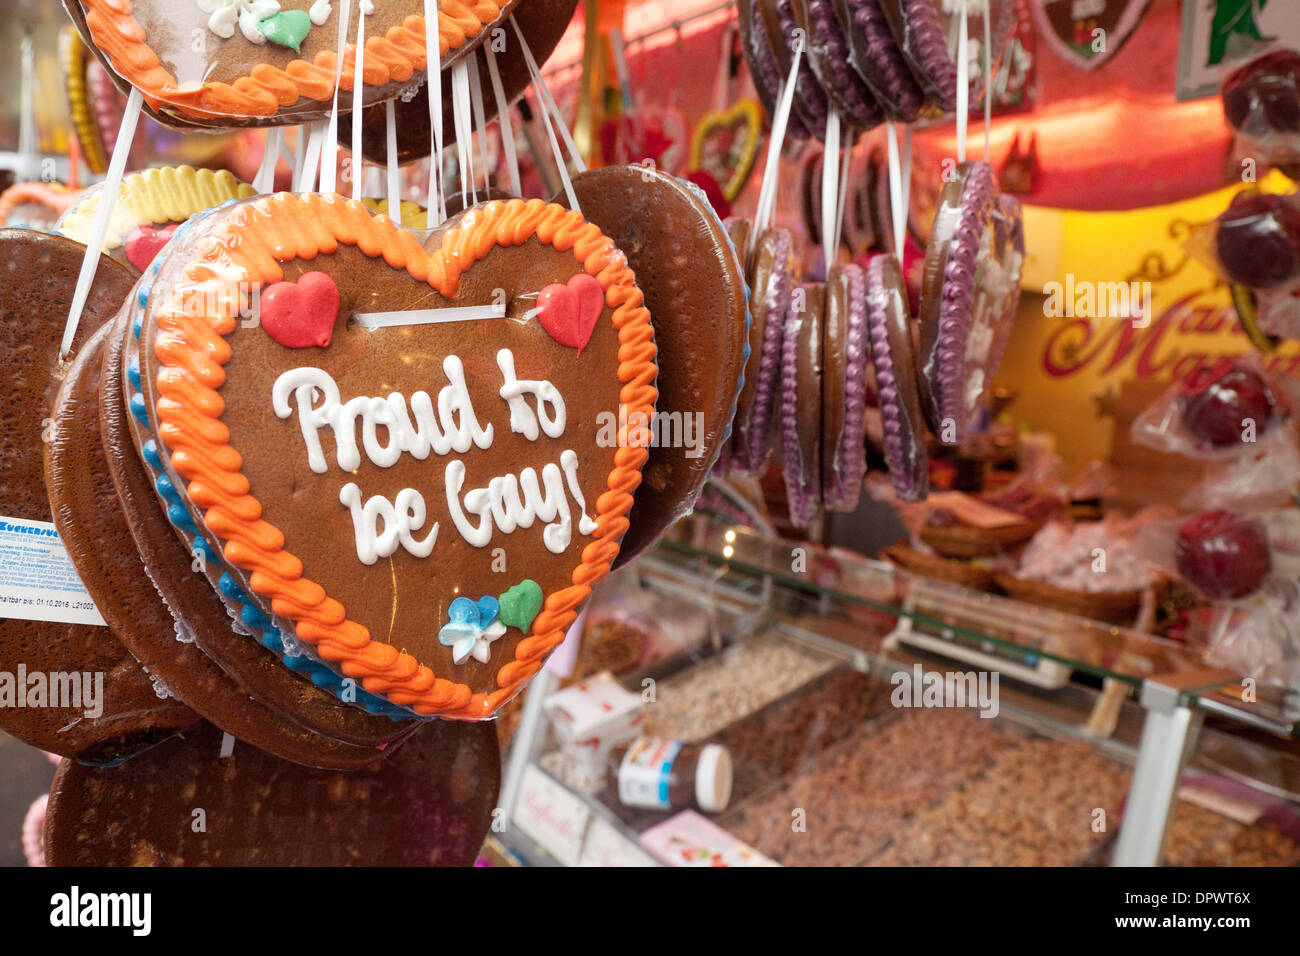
x: 521, y: 604
x: 287, y: 28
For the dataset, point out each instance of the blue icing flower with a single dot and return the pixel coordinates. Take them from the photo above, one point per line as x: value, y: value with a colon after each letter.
x: 151, y: 454
x: 472, y: 629
x: 133, y: 371
x: 180, y: 517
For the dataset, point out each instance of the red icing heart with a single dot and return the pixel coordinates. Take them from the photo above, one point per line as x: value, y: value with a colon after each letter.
x: 145, y: 242
x: 301, y: 314
x: 569, y: 312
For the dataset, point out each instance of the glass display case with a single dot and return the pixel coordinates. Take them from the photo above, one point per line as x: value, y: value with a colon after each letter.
x: 877, y: 717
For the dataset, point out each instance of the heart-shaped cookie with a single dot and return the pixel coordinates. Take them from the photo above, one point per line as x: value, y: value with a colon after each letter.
x: 150, y: 204
x: 267, y: 63
x: 569, y: 311
x: 543, y: 22
x: 355, y: 492
x: 301, y: 314
x: 725, y: 145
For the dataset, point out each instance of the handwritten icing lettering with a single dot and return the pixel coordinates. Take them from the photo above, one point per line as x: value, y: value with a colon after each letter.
x: 509, y: 502
x: 386, y: 427
x: 523, y: 420
x: 398, y: 520
x: 455, y: 428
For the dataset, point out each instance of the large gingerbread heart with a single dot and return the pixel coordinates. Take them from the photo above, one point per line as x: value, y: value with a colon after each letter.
x: 401, y: 498
x: 269, y: 62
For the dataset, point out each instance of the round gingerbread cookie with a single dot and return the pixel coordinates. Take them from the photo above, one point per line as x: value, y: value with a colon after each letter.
x: 694, y: 288
x: 876, y: 56
x: 889, y: 335
x: 429, y: 804
x: 844, y: 387
x: 770, y: 278
x: 433, y: 540
x: 801, y: 403
x: 782, y: 30
x: 955, y: 337
x: 270, y: 62
x: 150, y: 205
x: 543, y: 22
x: 125, y: 714
x: 828, y: 53
x: 927, y: 33
x: 764, y: 68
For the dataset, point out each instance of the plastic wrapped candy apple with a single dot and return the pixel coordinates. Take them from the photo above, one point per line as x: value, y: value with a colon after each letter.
x: 1218, y: 401
x: 1257, y: 240
x: 1262, y: 102
x: 1223, y: 555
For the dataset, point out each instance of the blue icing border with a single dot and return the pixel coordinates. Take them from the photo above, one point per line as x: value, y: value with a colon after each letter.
x: 319, y: 673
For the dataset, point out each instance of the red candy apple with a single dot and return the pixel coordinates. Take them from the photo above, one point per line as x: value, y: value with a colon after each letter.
x: 1223, y: 555
x: 1217, y: 401
x: 1258, y: 240
x: 1263, y: 96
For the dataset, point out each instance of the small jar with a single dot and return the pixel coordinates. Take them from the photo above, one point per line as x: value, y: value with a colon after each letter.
x: 663, y: 774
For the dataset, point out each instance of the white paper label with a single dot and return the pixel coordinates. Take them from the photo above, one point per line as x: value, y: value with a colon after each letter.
x: 37, y: 579
x: 552, y: 816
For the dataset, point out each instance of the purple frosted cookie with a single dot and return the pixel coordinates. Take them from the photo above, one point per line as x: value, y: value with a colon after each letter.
x: 889, y: 339
x: 801, y: 407
x: 927, y: 36
x: 875, y: 54
x: 844, y: 387
x: 763, y: 68
x: 828, y: 52
x: 810, y: 103
x: 953, y: 336
x: 769, y: 278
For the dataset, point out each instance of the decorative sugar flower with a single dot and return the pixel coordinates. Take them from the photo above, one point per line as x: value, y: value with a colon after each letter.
x: 248, y: 14
x: 472, y: 629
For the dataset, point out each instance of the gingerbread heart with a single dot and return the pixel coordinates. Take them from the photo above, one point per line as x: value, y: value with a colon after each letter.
x: 725, y: 145
x: 267, y: 63
x: 150, y: 204
x: 354, y: 495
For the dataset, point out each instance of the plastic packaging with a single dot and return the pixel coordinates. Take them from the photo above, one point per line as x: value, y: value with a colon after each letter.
x: 662, y: 774
x: 1219, y: 411
x: 1261, y: 640
x: 969, y: 294
x: 149, y: 207
x: 879, y: 60
x: 799, y: 410
x: 220, y: 63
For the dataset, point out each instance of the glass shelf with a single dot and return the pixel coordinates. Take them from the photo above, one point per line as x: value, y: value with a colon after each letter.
x: 998, y: 625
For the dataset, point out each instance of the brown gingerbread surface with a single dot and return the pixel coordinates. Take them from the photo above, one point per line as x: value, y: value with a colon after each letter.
x: 40, y: 273
x: 184, y: 804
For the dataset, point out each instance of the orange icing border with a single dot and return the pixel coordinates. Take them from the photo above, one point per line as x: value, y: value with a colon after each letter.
x: 393, y: 57
x: 192, y: 350
x: 55, y: 197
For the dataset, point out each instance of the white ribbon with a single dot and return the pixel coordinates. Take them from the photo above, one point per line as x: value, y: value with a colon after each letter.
x: 107, y: 202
